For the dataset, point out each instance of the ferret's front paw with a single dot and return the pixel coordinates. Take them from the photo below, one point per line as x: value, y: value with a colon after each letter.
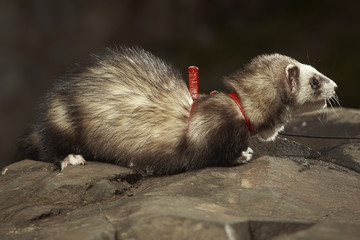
x: 246, y: 156
x: 72, y: 159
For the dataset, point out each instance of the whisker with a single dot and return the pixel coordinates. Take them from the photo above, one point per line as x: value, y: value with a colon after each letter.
x: 320, y: 120
x: 333, y: 100
x: 337, y: 100
x: 308, y: 57
x: 329, y: 101
x: 321, y: 115
x: 325, y: 115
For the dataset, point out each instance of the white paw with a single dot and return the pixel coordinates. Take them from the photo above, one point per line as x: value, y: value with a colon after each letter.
x: 246, y: 156
x: 72, y: 159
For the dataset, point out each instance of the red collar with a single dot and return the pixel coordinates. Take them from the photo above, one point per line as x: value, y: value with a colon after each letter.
x: 236, y: 99
x: 194, y: 91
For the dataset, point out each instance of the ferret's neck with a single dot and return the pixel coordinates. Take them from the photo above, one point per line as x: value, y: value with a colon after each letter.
x: 265, y: 111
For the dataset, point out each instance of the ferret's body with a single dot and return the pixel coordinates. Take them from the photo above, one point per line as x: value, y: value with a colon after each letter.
x: 130, y: 108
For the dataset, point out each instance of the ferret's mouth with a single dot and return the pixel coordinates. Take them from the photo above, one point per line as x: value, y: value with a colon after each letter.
x: 313, y: 106
x: 320, y: 104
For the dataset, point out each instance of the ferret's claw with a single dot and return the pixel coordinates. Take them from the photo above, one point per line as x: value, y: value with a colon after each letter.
x: 72, y: 159
x: 246, y: 156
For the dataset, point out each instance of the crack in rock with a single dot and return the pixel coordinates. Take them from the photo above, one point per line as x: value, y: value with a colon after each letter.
x: 261, y: 230
x: 50, y: 213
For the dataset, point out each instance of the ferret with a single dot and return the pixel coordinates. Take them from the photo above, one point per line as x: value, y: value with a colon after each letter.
x: 128, y: 107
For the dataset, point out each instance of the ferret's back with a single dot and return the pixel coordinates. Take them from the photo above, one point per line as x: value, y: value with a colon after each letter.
x: 125, y: 101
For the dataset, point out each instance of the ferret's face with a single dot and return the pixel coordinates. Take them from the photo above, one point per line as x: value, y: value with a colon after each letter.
x: 311, y: 88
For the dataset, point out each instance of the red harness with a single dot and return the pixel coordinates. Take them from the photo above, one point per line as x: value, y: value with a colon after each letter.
x: 194, y: 91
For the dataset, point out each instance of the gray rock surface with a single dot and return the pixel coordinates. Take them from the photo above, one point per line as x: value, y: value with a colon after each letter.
x: 291, y: 190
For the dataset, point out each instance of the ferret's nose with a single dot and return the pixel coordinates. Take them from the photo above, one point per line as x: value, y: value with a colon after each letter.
x: 334, y: 84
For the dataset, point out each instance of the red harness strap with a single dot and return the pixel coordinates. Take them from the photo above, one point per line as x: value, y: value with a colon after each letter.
x: 236, y: 99
x: 193, y: 85
x: 194, y: 82
x: 194, y: 91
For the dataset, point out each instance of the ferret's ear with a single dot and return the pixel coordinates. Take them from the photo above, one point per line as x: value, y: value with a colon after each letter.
x: 292, y: 76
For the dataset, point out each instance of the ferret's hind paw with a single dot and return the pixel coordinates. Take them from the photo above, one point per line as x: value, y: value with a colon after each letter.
x: 72, y: 159
x: 246, y: 156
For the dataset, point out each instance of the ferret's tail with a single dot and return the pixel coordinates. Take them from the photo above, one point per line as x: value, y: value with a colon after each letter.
x: 29, y: 144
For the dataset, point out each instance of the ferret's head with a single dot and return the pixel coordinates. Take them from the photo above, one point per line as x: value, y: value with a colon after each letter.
x: 276, y: 79
x: 310, y: 88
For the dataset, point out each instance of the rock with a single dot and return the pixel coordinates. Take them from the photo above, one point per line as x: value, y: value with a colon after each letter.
x: 284, y: 148
x: 272, y: 197
x: 326, y: 231
x: 339, y: 122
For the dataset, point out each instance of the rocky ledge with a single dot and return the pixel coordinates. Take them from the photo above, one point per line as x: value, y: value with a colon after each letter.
x: 295, y: 188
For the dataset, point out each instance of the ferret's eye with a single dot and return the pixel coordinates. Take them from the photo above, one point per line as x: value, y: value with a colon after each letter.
x: 314, y: 82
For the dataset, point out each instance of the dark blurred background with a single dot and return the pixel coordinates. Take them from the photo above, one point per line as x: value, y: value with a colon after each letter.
x: 40, y: 40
